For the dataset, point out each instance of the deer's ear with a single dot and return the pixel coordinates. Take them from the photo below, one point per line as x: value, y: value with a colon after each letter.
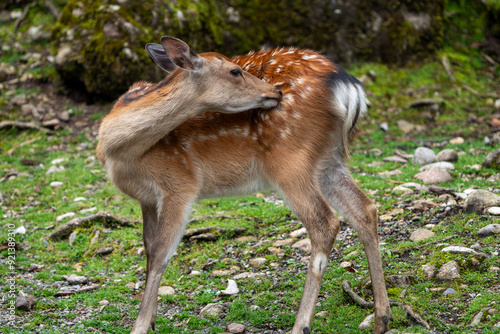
x: 181, y: 54
x: 157, y: 52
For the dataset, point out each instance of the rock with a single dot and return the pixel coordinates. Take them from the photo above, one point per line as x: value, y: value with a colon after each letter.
x: 440, y: 164
x: 24, y: 302
x: 492, y: 160
x: 303, y: 245
x: 403, y: 191
x: 346, y: 264
x: 477, y: 319
x: 257, y: 262
x: 423, y: 156
x: 51, y: 123
x: 247, y: 238
x: 212, y: 310
x: 449, y: 271
x: 400, y: 280
x: 235, y: 328
x: 384, y: 126
x: 63, y: 116
x: 285, y: 242
x: 457, y: 141
x: 479, y: 200
x: 434, y: 176
x: 232, y: 288
x: 166, y: 291
x: 429, y: 270
x: 458, y: 250
x: 298, y: 233
x: 254, y: 307
x: 75, y: 279
x: 104, y: 302
x: 104, y: 251
x: 195, y: 273
x: 489, y: 230
x: 395, y: 158
x: 321, y: 314
x: 408, y: 127
x: 54, y: 169
x: 248, y: 275
x: 37, y: 34
x: 36, y: 267
x: 424, y: 204
x: 276, y: 251
x: 494, y: 210
x: 56, y: 184
x: 447, y: 155
x: 365, y: 324
x: 64, y: 216
x: 20, y: 230
x: 421, y: 234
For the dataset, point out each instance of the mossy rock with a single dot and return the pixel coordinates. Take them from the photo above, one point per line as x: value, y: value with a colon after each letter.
x: 99, y: 45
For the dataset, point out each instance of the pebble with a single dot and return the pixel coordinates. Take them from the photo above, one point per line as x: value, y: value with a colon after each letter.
x: 321, y: 314
x: 24, y: 302
x: 303, y: 245
x: 104, y: 251
x: 477, y: 319
x: 489, y: 230
x: 54, y: 169
x: 429, y: 270
x: 232, y: 288
x: 492, y: 160
x: 74, y: 279
x: 257, y: 262
x: 57, y: 161
x: 421, y: 234
x: 449, y: 291
x: 235, y: 328
x: 432, y: 176
x: 458, y: 250
x: 449, y: 271
x: 298, y: 233
x: 212, y: 309
x: 367, y: 322
x: 403, y: 191
x: 166, y: 291
x: 56, y: 184
x: 457, y: 140
x: 447, y: 155
x: 284, y: 242
x: 440, y: 164
x: 64, y: 216
x: 423, y: 156
x: 494, y: 210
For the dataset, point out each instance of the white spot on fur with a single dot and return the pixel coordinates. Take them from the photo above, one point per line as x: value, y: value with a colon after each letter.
x: 307, y: 57
x: 319, y: 263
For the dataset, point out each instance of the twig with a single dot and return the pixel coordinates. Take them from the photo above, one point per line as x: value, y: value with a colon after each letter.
x: 23, y: 125
x: 198, y: 218
x: 447, y: 67
x: 84, y: 222
x: 73, y: 291
x: 209, y: 232
x: 52, y: 8
x: 404, y: 250
x: 363, y: 303
x: 21, y: 18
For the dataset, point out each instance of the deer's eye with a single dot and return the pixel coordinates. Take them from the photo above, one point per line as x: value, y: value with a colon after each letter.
x: 236, y: 72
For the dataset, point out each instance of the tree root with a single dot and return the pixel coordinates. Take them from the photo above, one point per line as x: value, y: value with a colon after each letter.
x: 415, y: 317
x: 84, y: 222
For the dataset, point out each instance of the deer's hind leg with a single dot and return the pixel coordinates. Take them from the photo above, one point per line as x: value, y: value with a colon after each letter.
x: 345, y: 196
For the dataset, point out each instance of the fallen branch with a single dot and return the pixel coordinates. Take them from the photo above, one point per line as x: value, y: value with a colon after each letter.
x: 73, y: 291
x: 447, y: 67
x: 23, y: 125
x: 85, y: 222
x: 52, y: 8
x: 21, y: 18
x: 363, y: 303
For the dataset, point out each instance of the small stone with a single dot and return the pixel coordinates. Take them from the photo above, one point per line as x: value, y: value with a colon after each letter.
x: 447, y: 155
x: 400, y: 280
x: 457, y: 141
x: 232, y: 288
x: 56, y: 184
x: 494, y: 269
x: 64, y: 216
x: 440, y: 164
x: 213, y: 310
x: 195, y: 273
x: 104, y: 251
x: 477, y: 319
x: 298, y: 233
x: 303, y: 245
x: 421, y: 234
x: 478, y: 200
x: 403, y: 191
x: 104, y: 302
x: 257, y: 262
x: 449, y: 291
x: 365, y: 324
x: 432, y: 176
x: 247, y: 238
x: 492, y: 160
x: 321, y: 314
x: 395, y: 158
x: 54, y: 169
x: 220, y: 272
x: 63, y: 116
x: 75, y: 279
x: 20, y: 230
x: 384, y: 126
x: 458, y: 250
x: 449, y: 271
x: 424, y: 204
x: 254, y: 307
x: 24, y: 302
x: 346, y: 264
x: 429, y: 270
x: 276, y: 251
x: 489, y: 230
x: 285, y: 242
x: 35, y: 267
x: 51, y: 123
x: 494, y: 210
x: 166, y: 291
x: 423, y: 156
x: 235, y: 328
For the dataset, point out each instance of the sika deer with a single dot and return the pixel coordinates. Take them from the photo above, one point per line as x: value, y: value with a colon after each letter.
x: 211, y: 129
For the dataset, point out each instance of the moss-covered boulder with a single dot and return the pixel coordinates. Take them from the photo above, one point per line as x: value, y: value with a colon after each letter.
x: 99, y: 45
